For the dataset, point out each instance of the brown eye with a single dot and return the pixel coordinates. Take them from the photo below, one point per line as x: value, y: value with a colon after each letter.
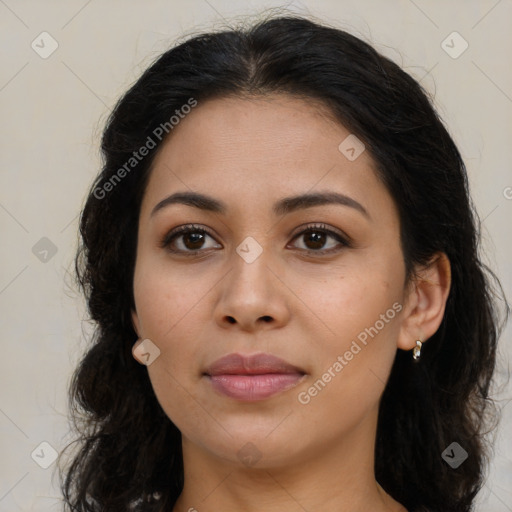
x: 193, y: 241
x: 188, y: 239
x: 314, y: 239
x: 319, y: 239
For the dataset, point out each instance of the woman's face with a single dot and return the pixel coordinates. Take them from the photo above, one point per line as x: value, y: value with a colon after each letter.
x: 326, y: 301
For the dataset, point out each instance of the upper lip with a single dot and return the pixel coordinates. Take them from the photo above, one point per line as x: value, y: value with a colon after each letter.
x: 256, y: 364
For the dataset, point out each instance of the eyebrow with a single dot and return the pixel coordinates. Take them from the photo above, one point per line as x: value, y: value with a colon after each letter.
x: 281, y: 207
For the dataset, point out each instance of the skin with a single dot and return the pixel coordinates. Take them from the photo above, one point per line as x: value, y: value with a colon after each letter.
x: 249, y: 153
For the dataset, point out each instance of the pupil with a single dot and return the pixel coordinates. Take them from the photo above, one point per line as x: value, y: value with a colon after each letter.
x: 196, y: 240
x: 318, y: 239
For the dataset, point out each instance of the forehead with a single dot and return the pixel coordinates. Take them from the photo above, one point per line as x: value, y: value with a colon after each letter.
x: 259, y: 148
x: 287, y: 127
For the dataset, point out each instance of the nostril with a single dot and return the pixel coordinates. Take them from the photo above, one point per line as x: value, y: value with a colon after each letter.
x: 231, y: 320
x: 266, y: 318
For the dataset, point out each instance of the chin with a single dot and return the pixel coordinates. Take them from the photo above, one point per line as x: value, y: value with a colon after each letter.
x: 258, y: 451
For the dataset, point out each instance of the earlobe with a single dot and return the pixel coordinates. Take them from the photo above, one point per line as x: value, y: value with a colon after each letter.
x: 135, y: 322
x: 138, y: 348
x: 425, y: 302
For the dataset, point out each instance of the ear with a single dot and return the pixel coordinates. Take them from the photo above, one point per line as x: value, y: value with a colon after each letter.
x: 135, y: 322
x: 425, y: 302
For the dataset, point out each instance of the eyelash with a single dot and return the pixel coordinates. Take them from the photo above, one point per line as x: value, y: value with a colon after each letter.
x: 193, y: 228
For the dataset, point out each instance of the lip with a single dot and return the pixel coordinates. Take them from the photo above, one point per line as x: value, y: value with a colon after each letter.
x: 253, y: 377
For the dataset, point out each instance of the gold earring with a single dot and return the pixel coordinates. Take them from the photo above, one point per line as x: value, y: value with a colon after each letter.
x: 416, y: 351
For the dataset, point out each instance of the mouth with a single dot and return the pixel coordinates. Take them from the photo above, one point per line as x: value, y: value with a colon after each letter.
x: 252, y: 378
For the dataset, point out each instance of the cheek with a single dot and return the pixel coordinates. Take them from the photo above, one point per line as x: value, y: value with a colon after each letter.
x: 351, y: 377
x: 361, y: 309
x: 346, y: 299
x: 172, y: 311
x: 166, y: 297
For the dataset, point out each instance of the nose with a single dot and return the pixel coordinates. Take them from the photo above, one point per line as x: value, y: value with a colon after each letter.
x: 252, y: 296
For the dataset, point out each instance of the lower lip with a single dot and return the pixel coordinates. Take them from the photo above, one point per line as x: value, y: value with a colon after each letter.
x: 254, y: 387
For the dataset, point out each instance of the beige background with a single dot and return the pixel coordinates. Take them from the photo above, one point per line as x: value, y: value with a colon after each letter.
x: 52, y: 114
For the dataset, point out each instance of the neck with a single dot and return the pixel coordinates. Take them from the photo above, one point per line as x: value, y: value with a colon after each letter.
x: 331, y: 477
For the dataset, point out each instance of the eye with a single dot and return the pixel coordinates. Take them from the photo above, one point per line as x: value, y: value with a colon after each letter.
x: 315, y: 239
x: 193, y: 239
x: 188, y: 239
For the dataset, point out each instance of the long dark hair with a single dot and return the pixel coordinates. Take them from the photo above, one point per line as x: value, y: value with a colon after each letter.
x: 130, y: 452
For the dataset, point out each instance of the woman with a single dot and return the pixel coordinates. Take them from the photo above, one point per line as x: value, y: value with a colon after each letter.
x: 281, y: 257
